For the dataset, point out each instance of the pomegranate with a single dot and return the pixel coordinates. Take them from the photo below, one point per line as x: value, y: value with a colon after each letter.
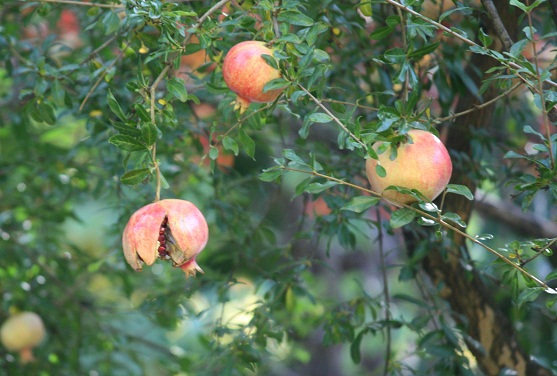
x: 246, y: 73
x: 21, y: 332
x: 169, y: 229
x: 423, y: 164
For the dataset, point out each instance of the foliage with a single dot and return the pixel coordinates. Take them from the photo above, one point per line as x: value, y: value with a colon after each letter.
x: 103, y: 113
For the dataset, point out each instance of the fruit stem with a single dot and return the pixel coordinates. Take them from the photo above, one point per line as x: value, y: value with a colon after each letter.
x: 335, y: 119
x: 26, y: 355
x: 156, y: 83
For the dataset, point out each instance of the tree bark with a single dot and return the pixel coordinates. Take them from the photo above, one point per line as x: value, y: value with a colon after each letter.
x: 470, y: 298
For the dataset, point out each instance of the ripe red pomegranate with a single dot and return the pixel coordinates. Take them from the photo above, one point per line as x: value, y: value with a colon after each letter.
x: 423, y: 164
x: 21, y: 332
x: 246, y: 73
x: 169, y: 229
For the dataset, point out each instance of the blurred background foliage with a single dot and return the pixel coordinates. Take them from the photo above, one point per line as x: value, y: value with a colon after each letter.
x: 294, y: 283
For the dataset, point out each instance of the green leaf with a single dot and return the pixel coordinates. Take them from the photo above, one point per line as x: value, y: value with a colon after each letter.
x: 551, y: 276
x: 319, y: 187
x: 381, y: 32
x: 277, y: 83
x: 177, y: 87
x: 529, y: 130
x: 455, y: 218
x: 230, y: 144
x: 420, y: 52
x: 484, y: 38
x: 126, y: 143
x: 126, y: 129
x: 514, y: 155
x: 395, y: 55
x: 402, y: 217
x: 270, y: 60
x: 45, y: 113
x: 529, y: 295
x: 115, y: 106
x: 295, y: 18
x: 355, y: 353
x: 135, y: 176
x: 272, y: 174
x: 380, y: 171
x: 111, y: 22
x: 519, y: 5
x: 460, y: 190
x: 248, y: 145
x: 149, y: 133
x: 361, y: 203
x: 142, y: 112
x: 320, y: 117
x: 293, y: 157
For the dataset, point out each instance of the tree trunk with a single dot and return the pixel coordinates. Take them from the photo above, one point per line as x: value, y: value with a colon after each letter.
x: 470, y: 298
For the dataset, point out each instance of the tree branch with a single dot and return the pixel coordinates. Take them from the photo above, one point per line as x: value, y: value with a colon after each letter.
x: 470, y: 298
x: 497, y: 24
x: 512, y: 216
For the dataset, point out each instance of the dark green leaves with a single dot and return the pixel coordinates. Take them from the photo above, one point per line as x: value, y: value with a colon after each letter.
x: 360, y: 204
x: 127, y: 143
x: 402, y: 217
x: 277, y: 83
x: 460, y: 190
x: 319, y: 117
x: 115, y: 106
x: 294, y: 17
x: 43, y: 112
x: 177, y: 87
x: 135, y: 176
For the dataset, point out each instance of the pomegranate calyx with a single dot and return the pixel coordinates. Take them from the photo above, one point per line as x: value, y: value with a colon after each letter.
x: 191, y: 267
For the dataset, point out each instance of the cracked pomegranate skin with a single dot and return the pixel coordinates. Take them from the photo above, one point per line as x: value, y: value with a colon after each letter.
x: 246, y: 73
x: 169, y: 229
x: 424, y: 165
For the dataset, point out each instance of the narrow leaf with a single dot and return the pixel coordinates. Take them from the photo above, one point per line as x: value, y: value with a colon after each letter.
x: 361, y: 203
x: 126, y: 143
x: 115, y: 106
x: 177, y: 87
x: 248, y: 145
x: 277, y: 83
x: 319, y: 117
x: 230, y: 144
x: 460, y: 190
x: 135, y: 176
x: 271, y: 174
x: 402, y: 217
x: 149, y: 133
x: 529, y: 295
x: 319, y: 187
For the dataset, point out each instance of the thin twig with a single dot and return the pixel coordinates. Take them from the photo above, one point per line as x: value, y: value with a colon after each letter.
x: 100, y: 48
x: 479, y: 106
x: 335, y: 119
x: 158, y: 80
x: 99, y: 80
x: 82, y: 3
x: 455, y: 34
x: 435, y: 219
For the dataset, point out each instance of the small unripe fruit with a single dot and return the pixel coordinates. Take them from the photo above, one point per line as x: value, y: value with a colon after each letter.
x: 423, y: 164
x: 246, y: 73
x: 21, y: 332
